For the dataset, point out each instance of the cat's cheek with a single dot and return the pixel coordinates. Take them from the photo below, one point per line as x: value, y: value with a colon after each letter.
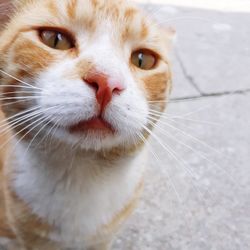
x: 29, y: 56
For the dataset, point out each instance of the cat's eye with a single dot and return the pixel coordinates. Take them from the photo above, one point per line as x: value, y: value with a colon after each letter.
x: 56, y: 40
x: 144, y: 59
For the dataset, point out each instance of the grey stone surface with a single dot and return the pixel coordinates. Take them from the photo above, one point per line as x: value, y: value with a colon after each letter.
x: 181, y: 88
x: 214, y: 49
x: 197, y: 193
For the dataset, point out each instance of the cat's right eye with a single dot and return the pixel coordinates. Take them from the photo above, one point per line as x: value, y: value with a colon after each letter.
x: 56, y: 39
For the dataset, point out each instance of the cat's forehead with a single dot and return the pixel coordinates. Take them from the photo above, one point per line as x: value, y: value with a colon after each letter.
x: 89, y: 12
x: 111, y: 16
x: 126, y: 25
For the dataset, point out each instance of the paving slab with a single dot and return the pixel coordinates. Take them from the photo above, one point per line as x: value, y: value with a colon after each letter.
x: 198, y: 199
x: 214, y: 49
x: 182, y: 88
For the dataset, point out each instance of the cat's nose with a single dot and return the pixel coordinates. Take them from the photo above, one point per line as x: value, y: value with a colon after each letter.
x: 104, y: 88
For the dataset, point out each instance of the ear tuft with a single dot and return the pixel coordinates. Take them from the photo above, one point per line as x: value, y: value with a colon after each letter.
x: 6, y: 10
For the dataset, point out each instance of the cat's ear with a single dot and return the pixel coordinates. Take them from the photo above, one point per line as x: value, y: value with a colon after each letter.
x: 170, y: 33
x: 6, y: 10
x: 170, y: 36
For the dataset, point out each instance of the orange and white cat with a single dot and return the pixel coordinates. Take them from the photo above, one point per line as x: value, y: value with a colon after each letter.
x: 78, y: 80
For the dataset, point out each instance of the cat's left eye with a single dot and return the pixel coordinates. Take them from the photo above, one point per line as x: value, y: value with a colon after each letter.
x: 144, y: 59
x: 56, y: 40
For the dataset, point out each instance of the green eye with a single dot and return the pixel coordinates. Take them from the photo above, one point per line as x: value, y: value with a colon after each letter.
x: 144, y: 59
x: 56, y: 40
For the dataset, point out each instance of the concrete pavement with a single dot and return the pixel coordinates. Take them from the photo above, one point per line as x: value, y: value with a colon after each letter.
x: 197, y: 194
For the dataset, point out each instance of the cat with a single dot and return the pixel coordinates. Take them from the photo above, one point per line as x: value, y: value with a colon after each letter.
x: 78, y: 80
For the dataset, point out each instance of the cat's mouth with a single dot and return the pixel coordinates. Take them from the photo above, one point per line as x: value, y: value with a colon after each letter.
x: 97, y: 124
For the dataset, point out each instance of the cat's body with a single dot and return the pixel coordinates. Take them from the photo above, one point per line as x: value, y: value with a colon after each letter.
x: 85, y: 198
x: 72, y: 171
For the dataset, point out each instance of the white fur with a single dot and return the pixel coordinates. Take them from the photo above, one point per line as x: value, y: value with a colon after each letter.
x: 76, y: 193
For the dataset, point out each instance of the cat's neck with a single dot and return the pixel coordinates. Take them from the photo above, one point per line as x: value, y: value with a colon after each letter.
x: 60, y: 158
x: 91, y: 187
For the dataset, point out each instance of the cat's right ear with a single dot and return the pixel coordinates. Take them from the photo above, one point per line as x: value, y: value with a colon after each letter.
x: 6, y: 10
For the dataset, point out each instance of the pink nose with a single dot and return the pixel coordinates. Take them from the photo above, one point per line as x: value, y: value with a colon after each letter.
x: 104, y: 88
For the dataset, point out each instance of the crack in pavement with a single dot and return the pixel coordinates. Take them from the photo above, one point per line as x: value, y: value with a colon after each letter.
x: 185, y: 73
x: 201, y: 94
x: 217, y: 94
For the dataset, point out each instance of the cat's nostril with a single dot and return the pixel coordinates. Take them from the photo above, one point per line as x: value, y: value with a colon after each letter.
x: 117, y: 90
x: 93, y: 85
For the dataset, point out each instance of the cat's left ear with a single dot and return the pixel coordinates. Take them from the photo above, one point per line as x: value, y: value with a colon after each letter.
x: 170, y: 35
x: 6, y: 10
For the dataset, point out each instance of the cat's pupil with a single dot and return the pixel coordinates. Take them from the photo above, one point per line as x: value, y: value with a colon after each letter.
x: 57, y: 38
x: 140, y: 57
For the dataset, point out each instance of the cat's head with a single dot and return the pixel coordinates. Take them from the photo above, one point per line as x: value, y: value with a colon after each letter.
x: 84, y: 72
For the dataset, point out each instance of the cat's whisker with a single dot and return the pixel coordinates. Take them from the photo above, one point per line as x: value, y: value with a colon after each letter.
x: 19, y: 98
x: 22, y: 130
x: 33, y: 125
x: 15, y: 78
x: 49, y: 133
x: 182, y: 124
x: 181, y: 163
x: 180, y: 118
x: 159, y: 161
x: 12, y: 103
x: 36, y: 97
x: 193, y: 138
x: 23, y: 119
x: 37, y: 114
x: 19, y: 92
x: 3, y: 121
x: 20, y: 122
x: 198, y: 110
x: 16, y: 86
x: 13, y: 123
x: 39, y: 131
x: 174, y: 155
x: 167, y: 134
x: 202, y: 156
x: 194, y: 111
x: 172, y: 185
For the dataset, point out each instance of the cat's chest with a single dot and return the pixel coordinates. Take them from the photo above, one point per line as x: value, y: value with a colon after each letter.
x: 79, y: 201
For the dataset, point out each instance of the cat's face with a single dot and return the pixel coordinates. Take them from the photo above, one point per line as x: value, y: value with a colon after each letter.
x: 90, y: 70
